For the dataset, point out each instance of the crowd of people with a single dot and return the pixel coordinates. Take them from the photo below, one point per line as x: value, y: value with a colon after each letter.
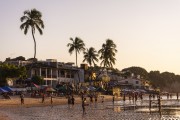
x: 91, y: 99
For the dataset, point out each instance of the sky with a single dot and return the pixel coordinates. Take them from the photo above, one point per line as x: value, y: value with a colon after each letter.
x: 146, y: 32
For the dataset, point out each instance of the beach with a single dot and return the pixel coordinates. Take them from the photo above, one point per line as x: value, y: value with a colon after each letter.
x: 29, y: 102
x: 34, y: 109
x: 35, y: 102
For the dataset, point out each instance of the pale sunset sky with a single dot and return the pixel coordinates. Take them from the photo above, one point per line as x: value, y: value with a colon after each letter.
x: 146, y: 32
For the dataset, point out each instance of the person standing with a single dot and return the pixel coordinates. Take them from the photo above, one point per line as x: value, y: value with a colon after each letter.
x: 69, y: 101
x: 129, y: 97
x: 150, y: 101
x: 91, y: 100
x: 167, y: 95
x: 83, y: 105
x: 136, y: 97
x: 51, y: 101
x: 22, y: 98
x: 124, y: 97
x: 102, y: 100
x: 113, y: 100
x: 177, y: 94
x: 43, y: 97
x: 72, y: 101
x: 95, y: 99
x: 170, y: 96
x: 159, y: 104
x: 82, y: 96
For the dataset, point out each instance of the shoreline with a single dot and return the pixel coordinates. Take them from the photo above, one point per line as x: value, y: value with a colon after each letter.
x: 10, y: 109
x: 37, y: 102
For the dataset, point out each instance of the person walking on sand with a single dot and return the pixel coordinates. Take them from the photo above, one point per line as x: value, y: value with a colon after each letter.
x: 51, y: 101
x: 69, y: 101
x: 82, y: 96
x: 102, y: 100
x: 83, y: 105
x: 22, y: 98
x: 43, y: 97
x: 91, y: 100
x: 177, y: 94
x: 113, y: 99
x: 95, y: 99
x: 72, y: 101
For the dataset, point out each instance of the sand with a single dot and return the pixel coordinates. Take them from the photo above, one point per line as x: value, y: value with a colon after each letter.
x: 37, y: 102
x: 34, y: 109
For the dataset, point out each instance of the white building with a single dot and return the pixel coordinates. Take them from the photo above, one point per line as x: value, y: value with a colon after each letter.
x: 136, y: 83
x: 18, y: 62
x: 55, y: 72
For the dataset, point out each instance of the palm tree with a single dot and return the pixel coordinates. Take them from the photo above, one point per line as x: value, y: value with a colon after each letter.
x: 107, y: 55
x: 32, y: 19
x: 77, y: 45
x: 108, y: 52
x: 90, y: 56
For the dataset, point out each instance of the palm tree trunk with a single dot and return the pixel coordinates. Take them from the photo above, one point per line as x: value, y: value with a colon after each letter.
x: 34, y: 43
x: 76, y: 59
x: 34, y: 55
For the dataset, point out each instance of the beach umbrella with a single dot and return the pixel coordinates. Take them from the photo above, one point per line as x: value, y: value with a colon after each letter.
x: 100, y: 89
x: 91, y: 88
x: 2, y: 90
x: 49, y: 89
x: 35, y: 85
x: 8, y: 89
x: 62, y: 88
x: 84, y: 88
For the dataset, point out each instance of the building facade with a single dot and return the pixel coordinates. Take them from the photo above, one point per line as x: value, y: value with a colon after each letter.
x: 54, y: 72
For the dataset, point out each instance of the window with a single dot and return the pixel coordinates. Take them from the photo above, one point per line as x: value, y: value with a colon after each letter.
x: 137, y: 82
x: 72, y: 75
x: 43, y: 73
x: 62, y: 73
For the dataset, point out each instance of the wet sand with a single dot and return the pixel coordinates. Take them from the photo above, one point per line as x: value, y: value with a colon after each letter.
x: 62, y: 112
x: 15, y: 103
x: 3, y: 117
x: 33, y: 109
x: 35, y: 102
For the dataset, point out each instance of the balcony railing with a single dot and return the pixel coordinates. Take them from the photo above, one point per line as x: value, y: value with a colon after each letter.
x: 49, y: 76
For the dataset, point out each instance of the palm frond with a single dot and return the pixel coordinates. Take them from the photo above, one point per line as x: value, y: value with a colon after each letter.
x: 39, y: 29
x: 26, y: 29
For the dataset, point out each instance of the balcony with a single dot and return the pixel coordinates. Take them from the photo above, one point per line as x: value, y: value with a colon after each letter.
x: 49, y: 76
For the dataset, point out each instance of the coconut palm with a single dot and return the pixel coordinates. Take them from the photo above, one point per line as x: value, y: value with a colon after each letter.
x: 90, y: 56
x: 32, y: 19
x: 108, y: 52
x: 77, y: 45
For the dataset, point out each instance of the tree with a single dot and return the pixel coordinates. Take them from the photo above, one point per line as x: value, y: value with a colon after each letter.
x: 107, y: 55
x: 90, y: 56
x: 32, y: 19
x: 77, y: 45
x: 19, y: 58
x: 32, y: 59
x: 10, y: 71
x: 136, y: 71
x: 108, y: 52
x: 37, y: 80
x: 16, y: 59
